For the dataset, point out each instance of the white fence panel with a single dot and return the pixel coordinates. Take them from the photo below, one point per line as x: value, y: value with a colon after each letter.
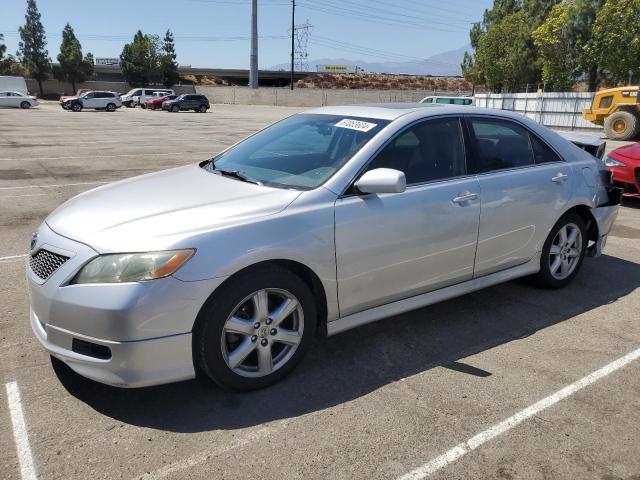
x: 553, y: 109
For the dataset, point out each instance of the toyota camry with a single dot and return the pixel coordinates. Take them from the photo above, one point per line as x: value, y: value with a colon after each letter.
x: 322, y: 222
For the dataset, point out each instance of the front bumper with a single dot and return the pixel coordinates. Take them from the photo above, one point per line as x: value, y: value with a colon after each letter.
x: 144, y: 326
x: 130, y: 364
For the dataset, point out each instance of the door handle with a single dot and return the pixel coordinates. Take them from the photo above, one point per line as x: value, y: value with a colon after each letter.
x: 464, y: 197
x: 560, y: 177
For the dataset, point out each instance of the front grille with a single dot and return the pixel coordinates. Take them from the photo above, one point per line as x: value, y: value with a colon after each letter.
x: 44, y: 263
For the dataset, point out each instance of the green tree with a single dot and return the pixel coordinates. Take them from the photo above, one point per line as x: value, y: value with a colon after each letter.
x: 616, y: 40
x: 168, y: 65
x: 32, y: 50
x: 553, y: 41
x: 139, y: 60
x: 3, y: 47
x: 73, y: 68
x: 506, y: 54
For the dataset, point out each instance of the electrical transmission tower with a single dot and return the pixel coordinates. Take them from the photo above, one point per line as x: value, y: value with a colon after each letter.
x: 301, y: 56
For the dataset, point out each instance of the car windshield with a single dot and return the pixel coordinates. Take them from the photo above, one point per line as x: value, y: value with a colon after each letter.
x: 300, y: 152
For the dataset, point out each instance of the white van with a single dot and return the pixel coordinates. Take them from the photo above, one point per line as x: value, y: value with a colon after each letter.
x: 138, y: 96
x: 13, y: 84
x: 449, y: 100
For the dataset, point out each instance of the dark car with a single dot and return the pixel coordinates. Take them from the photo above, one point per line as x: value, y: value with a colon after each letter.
x: 197, y: 103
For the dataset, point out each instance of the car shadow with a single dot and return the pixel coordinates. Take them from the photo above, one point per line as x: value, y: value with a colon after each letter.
x: 357, y: 362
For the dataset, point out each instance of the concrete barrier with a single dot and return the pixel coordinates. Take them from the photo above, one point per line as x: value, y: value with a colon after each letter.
x: 312, y: 97
x: 62, y: 88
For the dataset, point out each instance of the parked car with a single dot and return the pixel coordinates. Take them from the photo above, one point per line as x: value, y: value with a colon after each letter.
x: 98, y: 100
x: 17, y: 100
x: 448, y: 100
x: 197, y: 103
x: 624, y: 163
x: 136, y: 96
x: 79, y: 93
x: 322, y: 222
x: 156, y: 103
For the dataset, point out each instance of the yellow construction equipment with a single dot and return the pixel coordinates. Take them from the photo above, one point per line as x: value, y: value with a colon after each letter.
x: 618, y: 109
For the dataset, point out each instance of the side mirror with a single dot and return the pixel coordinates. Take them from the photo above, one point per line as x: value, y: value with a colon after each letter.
x: 382, y: 180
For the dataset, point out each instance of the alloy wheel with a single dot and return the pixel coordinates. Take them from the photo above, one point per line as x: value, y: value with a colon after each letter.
x: 262, y: 333
x: 565, y: 251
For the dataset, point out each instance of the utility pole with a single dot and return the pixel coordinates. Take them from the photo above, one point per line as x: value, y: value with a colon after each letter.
x: 293, y: 33
x: 253, y: 57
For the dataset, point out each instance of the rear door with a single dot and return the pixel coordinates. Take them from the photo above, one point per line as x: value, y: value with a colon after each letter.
x: 394, y: 246
x: 524, y: 187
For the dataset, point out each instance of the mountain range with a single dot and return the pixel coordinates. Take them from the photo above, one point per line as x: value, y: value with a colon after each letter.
x: 443, y: 64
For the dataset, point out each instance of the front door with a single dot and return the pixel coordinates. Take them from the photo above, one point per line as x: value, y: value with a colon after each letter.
x: 524, y: 187
x: 394, y: 246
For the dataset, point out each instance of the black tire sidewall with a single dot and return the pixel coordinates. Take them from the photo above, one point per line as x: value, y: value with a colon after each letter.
x: 111, y: 107
x: 76, y: 107
x: 544, y: 278
x: 208, y: 328
x: 22, y: 105
x: 175, y: 109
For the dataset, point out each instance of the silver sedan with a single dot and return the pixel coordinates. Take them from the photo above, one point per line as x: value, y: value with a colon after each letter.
x: 322, y: 222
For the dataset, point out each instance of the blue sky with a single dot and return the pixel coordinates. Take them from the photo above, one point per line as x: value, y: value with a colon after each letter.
x: 214, y: 33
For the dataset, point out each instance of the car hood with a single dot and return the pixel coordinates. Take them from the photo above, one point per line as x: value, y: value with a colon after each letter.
x: 159, y: 210
x: 66, y: 99
x: 631, y: 151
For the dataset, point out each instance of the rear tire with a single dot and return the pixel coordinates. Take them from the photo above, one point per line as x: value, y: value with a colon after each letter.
x: 240, y: 345
x: 621, y: 126
x: 24, y: 105
x: 562, y: 253
x: 203, y: 109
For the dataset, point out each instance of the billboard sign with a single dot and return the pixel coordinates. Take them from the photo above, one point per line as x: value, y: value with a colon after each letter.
x: 335, y: 69
x: 107, y: 61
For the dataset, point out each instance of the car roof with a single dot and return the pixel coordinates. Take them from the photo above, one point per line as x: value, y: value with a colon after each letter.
x: 393, y: 111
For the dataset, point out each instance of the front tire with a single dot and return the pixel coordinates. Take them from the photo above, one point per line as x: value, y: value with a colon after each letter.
x: 563, y: 252
x: 111, y: 107
x: 76, y: 107
x: 255, y: 329
x: 175, y: 109
x: 622, y: 126
x: 25, y: 105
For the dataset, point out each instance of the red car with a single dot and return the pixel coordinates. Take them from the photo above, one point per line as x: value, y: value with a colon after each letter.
x: 624, y: 163
x: 156, y: 103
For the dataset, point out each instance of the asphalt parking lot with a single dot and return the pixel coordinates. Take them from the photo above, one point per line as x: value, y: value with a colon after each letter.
x: 375, y: 402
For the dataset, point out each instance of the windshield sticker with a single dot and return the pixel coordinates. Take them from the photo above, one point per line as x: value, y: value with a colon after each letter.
x: 355, y: 125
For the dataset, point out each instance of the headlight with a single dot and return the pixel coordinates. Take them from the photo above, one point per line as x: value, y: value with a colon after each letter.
x: 132, y: 267
x: 610, y: 162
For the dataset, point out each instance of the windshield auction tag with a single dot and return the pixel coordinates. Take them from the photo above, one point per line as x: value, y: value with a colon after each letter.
x: 355, y: 125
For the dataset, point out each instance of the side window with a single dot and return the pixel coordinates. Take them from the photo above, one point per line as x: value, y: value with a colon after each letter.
x: 429, y: 100
x: 90, y: 95
x: 542, y: 152
x: 500, y: 144
x: 605, y: 102
x: 462, y: 101
x: 446, y: 101
x: 428, y: 151
x: 137, y: 93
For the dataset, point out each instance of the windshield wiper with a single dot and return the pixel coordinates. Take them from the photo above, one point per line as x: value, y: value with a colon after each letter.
x: 235, y: 174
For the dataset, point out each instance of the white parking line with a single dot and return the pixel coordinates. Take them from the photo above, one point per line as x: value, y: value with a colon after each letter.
x: 462, y: 449
x: 203, y: 456
x: 12, y: 258
x: 27, y: 467
x: 56, y: 185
